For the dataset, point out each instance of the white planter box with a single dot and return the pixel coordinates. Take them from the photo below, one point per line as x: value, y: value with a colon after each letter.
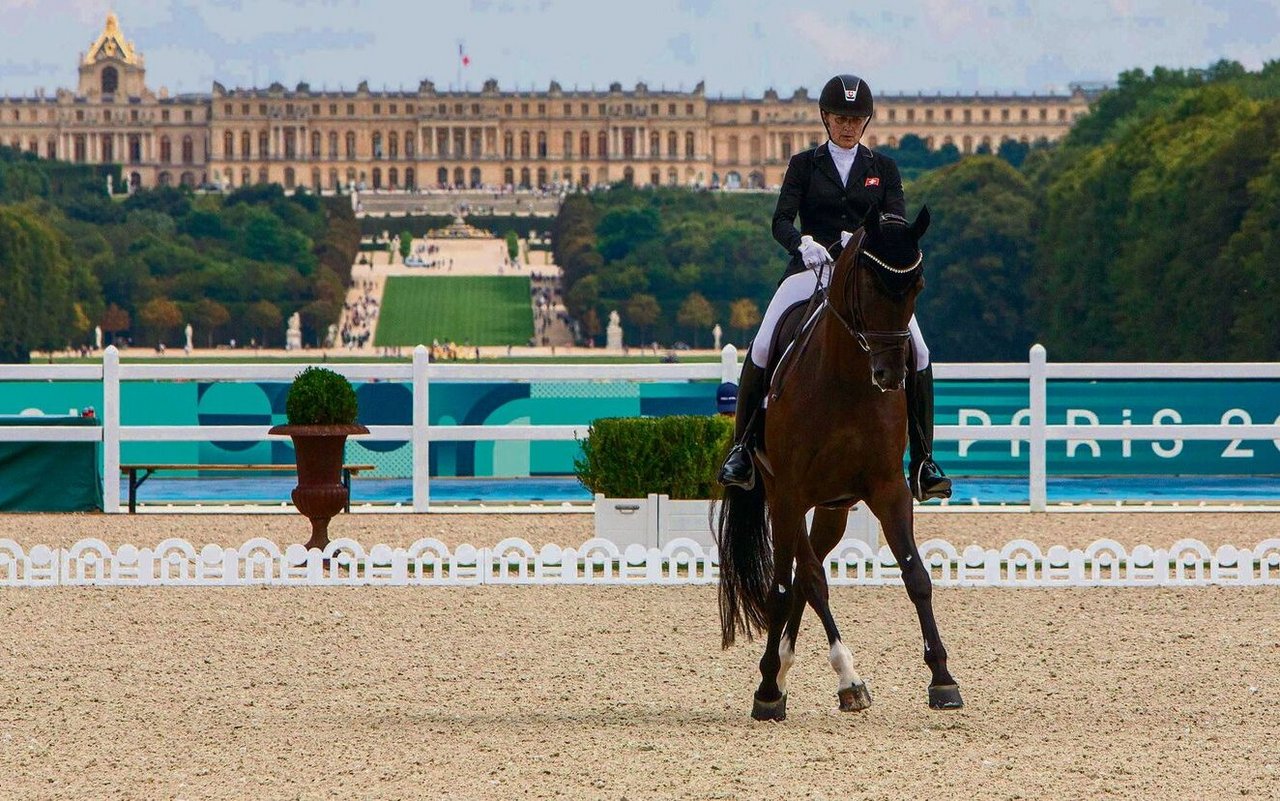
x: 657, y: 520
x: 628, y: 521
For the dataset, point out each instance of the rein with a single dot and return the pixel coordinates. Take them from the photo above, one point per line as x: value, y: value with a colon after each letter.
x: 857, y: 328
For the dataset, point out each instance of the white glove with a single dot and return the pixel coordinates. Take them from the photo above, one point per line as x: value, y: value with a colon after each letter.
x: 813, y: 254
x: 845, y: 236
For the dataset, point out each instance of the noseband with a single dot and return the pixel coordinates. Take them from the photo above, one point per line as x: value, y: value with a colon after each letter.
x: 871, y: 341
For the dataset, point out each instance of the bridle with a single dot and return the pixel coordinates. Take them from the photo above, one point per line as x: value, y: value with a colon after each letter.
x: 871, y: 341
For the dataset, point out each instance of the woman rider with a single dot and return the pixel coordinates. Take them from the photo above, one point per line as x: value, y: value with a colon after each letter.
x: 831, y: 187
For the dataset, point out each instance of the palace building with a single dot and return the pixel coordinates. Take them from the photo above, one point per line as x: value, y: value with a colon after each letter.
x: 326, y: 140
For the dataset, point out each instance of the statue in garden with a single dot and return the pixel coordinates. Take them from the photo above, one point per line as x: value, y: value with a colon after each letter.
x: 613, y: 334
x: 293, y: 336
x: 716, y: 332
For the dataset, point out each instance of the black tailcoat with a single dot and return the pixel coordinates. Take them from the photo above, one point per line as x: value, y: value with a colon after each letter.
x: 812, y: 189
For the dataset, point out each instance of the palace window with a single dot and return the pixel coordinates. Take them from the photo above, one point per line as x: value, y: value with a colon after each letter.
x: 568, y: 109
x: 351, y: 109
x: 542, y: 109
x: 524, y: 109
x: 1004, y: 114
x: 188, y: 150
x: 315, y: 145
x: 264, y: 144
x: 228, y: 145
x: 377, y: 108
x: 507, y: 109
x: 567, y: 146
x: 262, y: 109
x: 524, y: 144
x: 393, y: 109
x: 186, y: 115
x: 351, y: 144
x: 164, y: 115
x: 110, y: 81
x: 333, y: 144
x: 226, y: 109
x: 166, y: 150
x: 542, y: 144
x: 688, y: 109
x: 315, y: 109
x: 671, y: 109
x: 584, y: 145
x: 246, y: 142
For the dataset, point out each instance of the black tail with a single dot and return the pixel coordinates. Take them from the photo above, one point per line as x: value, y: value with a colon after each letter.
x: 746, y: 562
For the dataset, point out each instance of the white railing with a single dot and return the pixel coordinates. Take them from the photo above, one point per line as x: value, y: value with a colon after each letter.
x: 1037, y: 432
x: 429, y: 562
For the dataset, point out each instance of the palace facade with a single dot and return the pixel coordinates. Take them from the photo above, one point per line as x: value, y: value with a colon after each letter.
x: 428, y: 138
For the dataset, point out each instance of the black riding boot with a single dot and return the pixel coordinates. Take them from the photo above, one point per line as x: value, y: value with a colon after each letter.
x: 924, y: 476
x: 739, y: 469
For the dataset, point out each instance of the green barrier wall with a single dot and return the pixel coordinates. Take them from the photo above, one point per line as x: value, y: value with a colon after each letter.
x: 50, y: 476
x: 558, y: 403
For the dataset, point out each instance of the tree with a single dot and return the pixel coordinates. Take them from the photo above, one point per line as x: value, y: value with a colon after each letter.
x: 160, y: 316
x: 591, y: 324
x: 208, y: 316
x: 744, y: 315
x: 115, y: 320
x: 263, y: 318
x: 643, y: 311
x: 37, y: 285
x: 696, y: 313
x: 513, y: 245
x: 406, y: 244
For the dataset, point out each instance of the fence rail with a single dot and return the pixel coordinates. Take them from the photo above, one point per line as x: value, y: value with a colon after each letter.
x: 1036, y: 431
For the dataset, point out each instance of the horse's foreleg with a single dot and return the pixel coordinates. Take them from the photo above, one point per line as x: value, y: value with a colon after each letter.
x: 892, y: 506
x: 771, y: 697
x: 811, y: 580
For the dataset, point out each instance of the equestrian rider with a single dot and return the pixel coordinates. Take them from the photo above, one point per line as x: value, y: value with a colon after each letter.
x: 831, y: 187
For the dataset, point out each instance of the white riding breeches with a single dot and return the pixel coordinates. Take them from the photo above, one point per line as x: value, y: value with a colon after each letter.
x: 799, y: 288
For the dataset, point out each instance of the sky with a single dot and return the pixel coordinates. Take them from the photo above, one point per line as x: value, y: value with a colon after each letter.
x: 738, y: 48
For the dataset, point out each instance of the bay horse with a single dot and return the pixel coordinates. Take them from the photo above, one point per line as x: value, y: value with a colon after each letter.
x: 835, y: 433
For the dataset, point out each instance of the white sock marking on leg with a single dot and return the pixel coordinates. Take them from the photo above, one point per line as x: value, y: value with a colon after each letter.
x: 842, y: 663
x: 787, y: 655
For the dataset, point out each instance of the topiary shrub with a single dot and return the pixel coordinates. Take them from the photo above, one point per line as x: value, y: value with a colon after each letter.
x: 319, y: 396
x: 631, y: 457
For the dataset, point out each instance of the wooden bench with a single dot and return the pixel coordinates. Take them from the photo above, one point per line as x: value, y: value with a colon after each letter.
x: 146, y: 470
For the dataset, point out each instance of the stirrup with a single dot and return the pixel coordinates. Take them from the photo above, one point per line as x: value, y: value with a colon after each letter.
x: 939, y: 486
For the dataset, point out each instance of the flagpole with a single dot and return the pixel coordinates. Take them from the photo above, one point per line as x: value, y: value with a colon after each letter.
x: 460, y: 55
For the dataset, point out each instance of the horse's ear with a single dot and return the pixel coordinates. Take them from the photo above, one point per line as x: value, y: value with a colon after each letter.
x: 921, y: 224
x: 871, y: 221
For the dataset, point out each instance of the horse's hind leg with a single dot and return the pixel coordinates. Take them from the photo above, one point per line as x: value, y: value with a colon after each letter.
x: 893, y: 508
x: 771, y: 698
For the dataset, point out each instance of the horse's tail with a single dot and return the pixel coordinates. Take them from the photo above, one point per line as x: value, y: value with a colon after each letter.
x: 746, y: 562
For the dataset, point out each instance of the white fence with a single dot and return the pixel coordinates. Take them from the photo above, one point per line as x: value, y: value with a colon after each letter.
x: 428, y: 562
x: 1036, y: 431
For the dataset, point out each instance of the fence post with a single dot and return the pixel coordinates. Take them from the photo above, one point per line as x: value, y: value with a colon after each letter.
x: 729, y: 365
x: 1038, y: 388
x: 421, y: 444
x: 111, y: 430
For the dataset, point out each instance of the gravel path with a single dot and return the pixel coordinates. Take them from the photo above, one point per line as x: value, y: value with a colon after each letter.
x: 613, y: 693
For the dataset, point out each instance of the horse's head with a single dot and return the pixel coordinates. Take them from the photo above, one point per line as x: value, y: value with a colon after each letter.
x: 874, y: 290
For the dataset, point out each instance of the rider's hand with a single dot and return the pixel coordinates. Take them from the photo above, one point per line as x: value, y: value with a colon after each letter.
x: 845, y: 236
x: 813, y: 254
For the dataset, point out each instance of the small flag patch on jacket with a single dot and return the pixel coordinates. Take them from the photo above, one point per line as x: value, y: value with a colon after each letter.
x: 872, y: 181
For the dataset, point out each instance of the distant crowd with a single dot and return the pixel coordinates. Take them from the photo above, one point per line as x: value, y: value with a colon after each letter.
x: 359, y: 316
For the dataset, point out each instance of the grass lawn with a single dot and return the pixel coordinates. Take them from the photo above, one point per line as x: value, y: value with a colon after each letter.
x: 467, y: 310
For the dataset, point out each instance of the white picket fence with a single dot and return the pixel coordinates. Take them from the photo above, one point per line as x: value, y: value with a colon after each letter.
x: 429, y: 562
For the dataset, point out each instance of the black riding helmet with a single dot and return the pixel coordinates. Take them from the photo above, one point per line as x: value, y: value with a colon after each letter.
x: 848, y: 96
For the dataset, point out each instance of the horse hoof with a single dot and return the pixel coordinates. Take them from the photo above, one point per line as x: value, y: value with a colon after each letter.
x: 770, y: 710
x: 945, y: 696
x: 855, y: 698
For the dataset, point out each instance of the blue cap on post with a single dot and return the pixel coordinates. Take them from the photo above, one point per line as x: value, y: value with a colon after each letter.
x: 727, y: 398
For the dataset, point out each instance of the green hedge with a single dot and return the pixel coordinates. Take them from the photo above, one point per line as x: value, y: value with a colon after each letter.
x: 630, y: 457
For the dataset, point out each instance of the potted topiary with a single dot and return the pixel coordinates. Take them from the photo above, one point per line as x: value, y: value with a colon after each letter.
x: 321, y: 409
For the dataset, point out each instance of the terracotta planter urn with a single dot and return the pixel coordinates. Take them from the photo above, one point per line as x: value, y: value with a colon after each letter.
x: 320, y: 494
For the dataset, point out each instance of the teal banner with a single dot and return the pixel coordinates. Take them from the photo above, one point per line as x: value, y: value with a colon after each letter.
x: 564, y: 403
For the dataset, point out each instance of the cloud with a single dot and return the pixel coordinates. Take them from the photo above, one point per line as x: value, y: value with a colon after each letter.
x: 839, y: 48
x: 681, y: 48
